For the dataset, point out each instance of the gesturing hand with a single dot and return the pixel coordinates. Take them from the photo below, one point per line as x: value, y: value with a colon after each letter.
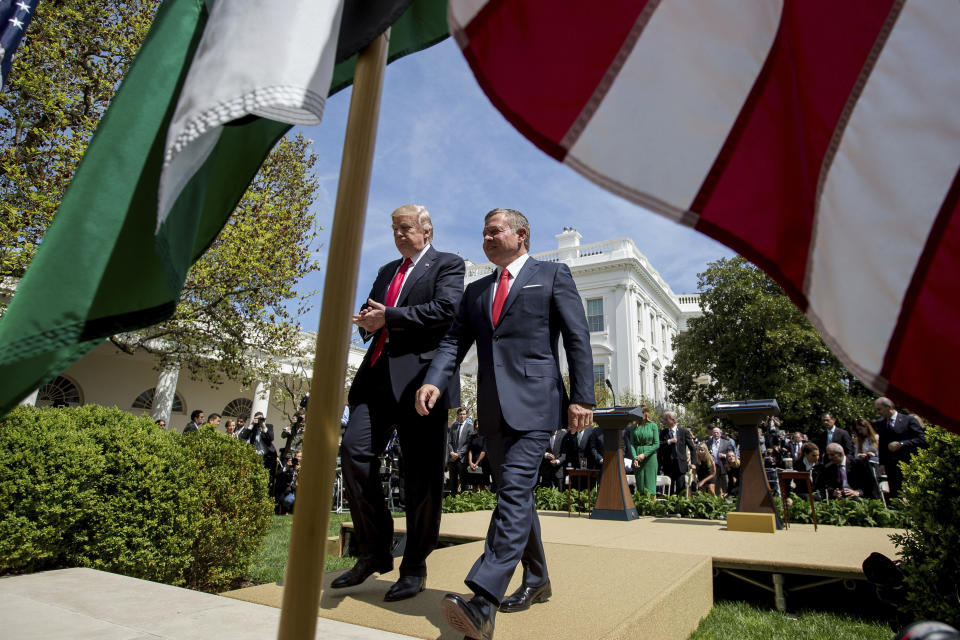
x: 372, y: 318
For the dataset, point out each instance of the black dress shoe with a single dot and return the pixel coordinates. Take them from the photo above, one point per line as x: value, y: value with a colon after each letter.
x: 474, y: 619
x: 405, y: 587
x: 522, y: 598
x: 360, y: 572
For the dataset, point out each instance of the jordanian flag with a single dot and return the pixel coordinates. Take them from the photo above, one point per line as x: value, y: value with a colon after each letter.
x: 819, y: 139
x: 207, y: 97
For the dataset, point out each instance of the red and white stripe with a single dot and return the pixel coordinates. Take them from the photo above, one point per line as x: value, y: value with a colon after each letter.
x: 819, y: 139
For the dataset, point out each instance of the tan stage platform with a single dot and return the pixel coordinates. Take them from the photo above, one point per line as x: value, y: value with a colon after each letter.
x: 651, y: 577
x: 599, y: 593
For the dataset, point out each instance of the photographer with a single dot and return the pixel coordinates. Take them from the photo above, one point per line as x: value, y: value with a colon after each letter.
x: 260, y: 435
x: 287, y: 483
x: 293, y: 435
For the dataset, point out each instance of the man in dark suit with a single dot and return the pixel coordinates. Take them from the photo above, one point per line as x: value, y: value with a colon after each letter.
x: 846, y: 477
x: 899, y: 435
x: 195, y: 419
x: 833, y: 433
x: 554, y: 461
x: 515, y: 316
x: 458, y: 436
x: 411, y: 304
x: 675, y: 442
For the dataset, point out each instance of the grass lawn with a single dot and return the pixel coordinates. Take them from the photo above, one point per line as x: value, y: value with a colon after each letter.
x: 745, y: 621
x: 268, y: 565
x: 728, y: 619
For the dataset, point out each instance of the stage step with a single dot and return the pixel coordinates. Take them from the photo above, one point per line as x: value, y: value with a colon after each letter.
x: 598, y: 593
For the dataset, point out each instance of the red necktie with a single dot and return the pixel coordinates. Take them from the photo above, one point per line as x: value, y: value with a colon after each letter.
x: 501, y: 297
x: 392, y: 293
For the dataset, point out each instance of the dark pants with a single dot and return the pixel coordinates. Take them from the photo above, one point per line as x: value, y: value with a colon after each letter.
x: 422, y: 439
x: 514, y: 532
x: 678, y: 479
x: 457, y: 471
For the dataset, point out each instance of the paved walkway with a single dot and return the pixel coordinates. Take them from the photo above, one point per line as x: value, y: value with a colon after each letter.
x: 83, y: 603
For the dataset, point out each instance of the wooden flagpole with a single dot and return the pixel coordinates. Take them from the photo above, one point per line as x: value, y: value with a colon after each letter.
x: 308, y: 540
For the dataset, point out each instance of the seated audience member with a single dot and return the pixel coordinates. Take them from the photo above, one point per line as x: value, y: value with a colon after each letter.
x: 843, y: 477
x: 733, y: 474
x: 706, y: 471
x: 809, y: 461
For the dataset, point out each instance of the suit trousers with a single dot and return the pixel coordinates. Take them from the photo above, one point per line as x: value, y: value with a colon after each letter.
x: 514, y: 532
x: 422, y: 440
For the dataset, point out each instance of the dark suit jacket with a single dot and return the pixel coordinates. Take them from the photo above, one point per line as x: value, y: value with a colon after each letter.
x: 548, y: 469
x: 518, y: 363
x: 906, y: 430
x: 859, y: 477
x: 670, y: 454
x: 415, y: 325
x: 593, y: 449
x: 841, y: 437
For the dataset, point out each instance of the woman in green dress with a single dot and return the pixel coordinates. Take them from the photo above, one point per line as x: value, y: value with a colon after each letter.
x: 644, y: 440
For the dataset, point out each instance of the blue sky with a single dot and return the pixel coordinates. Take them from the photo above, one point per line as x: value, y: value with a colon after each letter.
x: 443, y: 145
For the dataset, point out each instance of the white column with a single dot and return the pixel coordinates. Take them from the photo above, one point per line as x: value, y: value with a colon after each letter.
x: 30, y: 400
x: 164, y: 394
x: 261, y: 399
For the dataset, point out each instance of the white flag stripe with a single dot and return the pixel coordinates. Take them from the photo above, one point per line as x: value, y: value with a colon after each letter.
x: 894, y: 165
x: 695, y: 65
x: 253, y: 58
x: 461, y: 13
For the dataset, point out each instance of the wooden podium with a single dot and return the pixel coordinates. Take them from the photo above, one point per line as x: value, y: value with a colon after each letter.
x: 754, y: 487
x: 614, y: 501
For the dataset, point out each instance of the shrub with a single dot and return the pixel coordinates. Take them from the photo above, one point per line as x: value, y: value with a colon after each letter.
x: 867, y: 513
x: 101, y: 488
x: 928, y: 549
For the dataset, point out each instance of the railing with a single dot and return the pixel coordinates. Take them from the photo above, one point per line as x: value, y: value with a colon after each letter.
x: 693, y: 298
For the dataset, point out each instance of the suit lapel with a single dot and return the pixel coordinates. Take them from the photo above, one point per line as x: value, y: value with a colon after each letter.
x: 386, y: 275
x: 486, y: 297
x: 418, y: 271
x: 526, y: 273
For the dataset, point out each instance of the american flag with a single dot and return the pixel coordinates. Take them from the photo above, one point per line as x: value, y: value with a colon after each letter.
x: 15, y: 16
x: 819, y: 139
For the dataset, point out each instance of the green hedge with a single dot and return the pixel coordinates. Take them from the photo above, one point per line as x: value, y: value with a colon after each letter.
x: 867, y: 513
x: 100, y: 488
x: 929, y: 549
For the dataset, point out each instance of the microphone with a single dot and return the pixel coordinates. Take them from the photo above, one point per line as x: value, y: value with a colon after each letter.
x: 612, y: 392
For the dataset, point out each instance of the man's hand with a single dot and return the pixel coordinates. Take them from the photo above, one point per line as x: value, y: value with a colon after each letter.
x: 549, y: 456
x: 851, y: 493
x: 894, y: 446
x: 579, y: 416
x: 427, y: 396
x: 372, y: 318
x: 454, y: 456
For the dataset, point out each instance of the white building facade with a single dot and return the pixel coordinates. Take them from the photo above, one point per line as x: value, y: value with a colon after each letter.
x: 632, y: 312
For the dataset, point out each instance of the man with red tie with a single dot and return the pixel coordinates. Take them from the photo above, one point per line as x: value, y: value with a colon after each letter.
x: 411, y: 304
x: 515, y: 316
